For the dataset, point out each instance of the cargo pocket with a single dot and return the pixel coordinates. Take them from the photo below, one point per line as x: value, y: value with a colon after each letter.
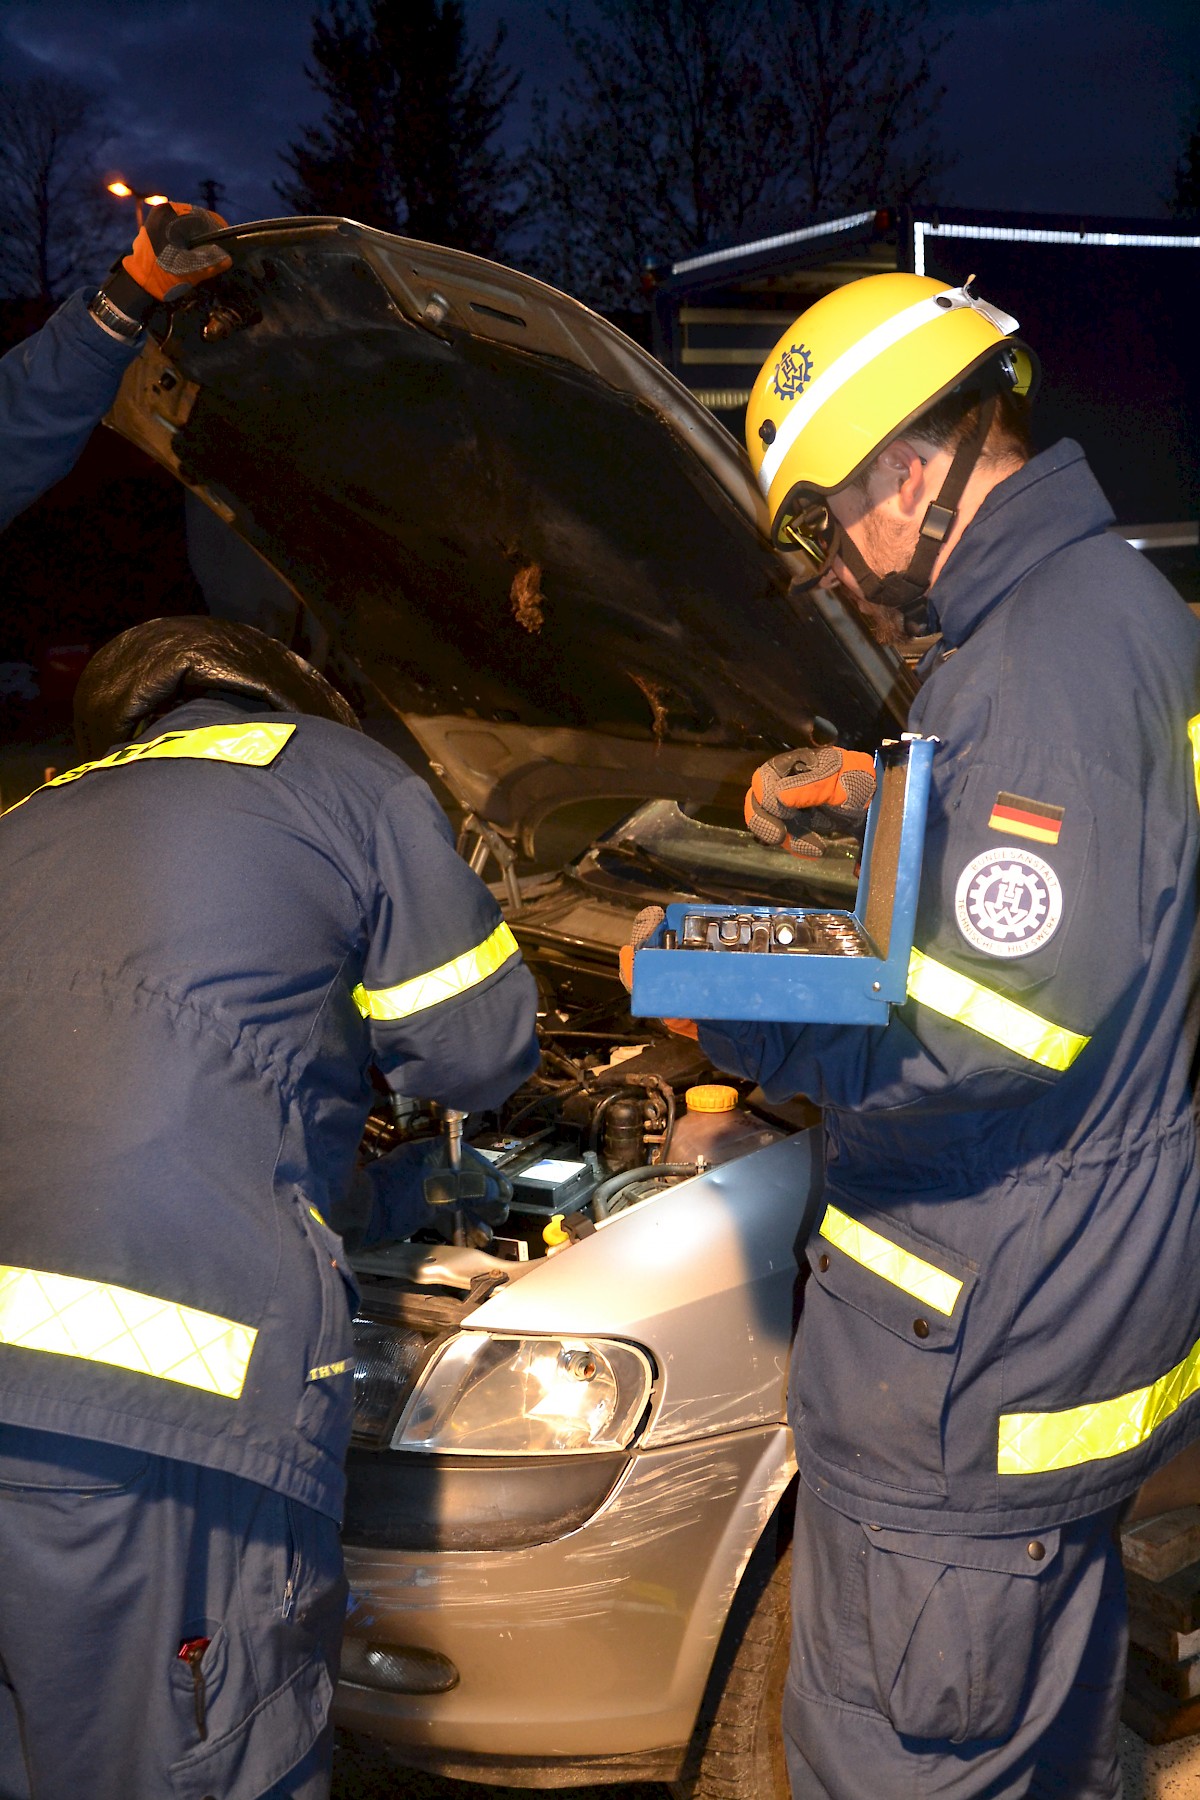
x: 267, y: 1676
x: 327, y: 1394
x: 952, y: 1627
x: 878, y: 1344
x: 245, y: 1763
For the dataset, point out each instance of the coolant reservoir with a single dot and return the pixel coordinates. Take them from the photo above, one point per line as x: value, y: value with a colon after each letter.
x: 716, y: 1127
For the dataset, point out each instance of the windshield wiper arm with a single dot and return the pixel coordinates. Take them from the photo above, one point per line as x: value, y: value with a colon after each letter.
x: 741, y: 889
x: 678, y: 880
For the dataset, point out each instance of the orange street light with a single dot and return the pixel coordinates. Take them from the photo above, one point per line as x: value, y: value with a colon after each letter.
x: 123, y: 191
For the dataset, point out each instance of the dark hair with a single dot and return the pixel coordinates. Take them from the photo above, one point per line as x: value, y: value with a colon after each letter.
x: 956, y: 415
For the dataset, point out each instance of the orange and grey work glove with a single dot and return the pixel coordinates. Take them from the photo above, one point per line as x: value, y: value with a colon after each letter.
x: 166, y: 262
x: 644, y: 926
x: 802, y: 797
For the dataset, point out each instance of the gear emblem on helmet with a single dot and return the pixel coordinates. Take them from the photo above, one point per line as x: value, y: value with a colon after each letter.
x: 793, y: 372
x: 1008, y: 902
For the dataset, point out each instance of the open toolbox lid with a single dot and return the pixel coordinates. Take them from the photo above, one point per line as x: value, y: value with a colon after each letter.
x: 807, y: 965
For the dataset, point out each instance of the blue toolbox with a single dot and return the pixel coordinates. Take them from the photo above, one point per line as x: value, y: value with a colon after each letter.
x: 804, y: 965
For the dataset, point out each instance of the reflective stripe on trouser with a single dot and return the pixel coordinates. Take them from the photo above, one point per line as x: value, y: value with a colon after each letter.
x: 443, y: 983
x: 1033, y: 1443
x: 98, y: 1322
x: 891, y: 1263
x: 957, y: 997
x: 252, y: 746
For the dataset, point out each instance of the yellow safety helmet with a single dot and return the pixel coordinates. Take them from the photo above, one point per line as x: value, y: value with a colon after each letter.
x: 856, y: 368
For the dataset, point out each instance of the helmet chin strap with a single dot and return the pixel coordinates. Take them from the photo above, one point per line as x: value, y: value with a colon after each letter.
x: 906, y: 590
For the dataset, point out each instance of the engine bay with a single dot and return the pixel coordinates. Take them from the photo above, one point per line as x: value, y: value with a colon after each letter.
x: 604, y: 1123
x: 612, y: 1117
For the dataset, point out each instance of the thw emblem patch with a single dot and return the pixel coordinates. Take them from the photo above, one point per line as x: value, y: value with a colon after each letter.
x: 1008, y: 902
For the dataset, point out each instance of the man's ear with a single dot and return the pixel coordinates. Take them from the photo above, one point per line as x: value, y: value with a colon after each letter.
x: 904, y: 469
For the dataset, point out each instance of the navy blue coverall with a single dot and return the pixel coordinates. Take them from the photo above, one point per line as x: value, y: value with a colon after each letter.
x: 1001, y: 1330
x: 54, y: 390
x: 206, y: 939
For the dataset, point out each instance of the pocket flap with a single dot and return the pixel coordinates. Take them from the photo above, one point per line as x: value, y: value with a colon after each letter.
x: 1033, y: 1554
x: 917, y: 1290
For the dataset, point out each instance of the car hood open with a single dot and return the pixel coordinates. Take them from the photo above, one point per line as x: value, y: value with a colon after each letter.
x: 527, y: 537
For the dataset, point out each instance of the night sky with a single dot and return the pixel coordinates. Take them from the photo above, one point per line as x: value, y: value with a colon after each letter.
x: 1054, y: 105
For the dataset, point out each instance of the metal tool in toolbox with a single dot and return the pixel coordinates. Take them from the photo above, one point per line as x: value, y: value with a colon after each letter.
x: 804, y: 965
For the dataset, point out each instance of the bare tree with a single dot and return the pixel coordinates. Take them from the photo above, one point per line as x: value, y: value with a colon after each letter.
x: 665, y: 137
x: 55, y: 225
x: 858, y: 86
x: 407, y: 141
x: 691, y: 121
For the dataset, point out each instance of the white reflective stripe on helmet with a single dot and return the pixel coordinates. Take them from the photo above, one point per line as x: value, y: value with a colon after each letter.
x: 850, y: 362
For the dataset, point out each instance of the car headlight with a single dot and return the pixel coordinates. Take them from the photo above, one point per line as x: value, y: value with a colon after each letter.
x: 386, y: 1364
x: 526, y: 1396
x: 393, y: 1340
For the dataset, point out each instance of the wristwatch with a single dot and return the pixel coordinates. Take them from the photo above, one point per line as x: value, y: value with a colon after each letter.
x: 110, y: 318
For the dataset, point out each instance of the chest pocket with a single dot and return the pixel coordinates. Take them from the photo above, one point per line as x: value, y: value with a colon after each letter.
x: 877, y: 1348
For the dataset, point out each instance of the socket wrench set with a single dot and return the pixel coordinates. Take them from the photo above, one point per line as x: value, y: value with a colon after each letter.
x: 804, y: 965
x: 781, y: 934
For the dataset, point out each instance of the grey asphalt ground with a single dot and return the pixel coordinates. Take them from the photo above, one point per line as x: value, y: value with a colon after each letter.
x: 1166, y: 1772
x: 363, y: 1771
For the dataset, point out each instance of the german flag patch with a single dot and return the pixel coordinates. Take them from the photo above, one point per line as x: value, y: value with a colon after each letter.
x: 1018, y: 817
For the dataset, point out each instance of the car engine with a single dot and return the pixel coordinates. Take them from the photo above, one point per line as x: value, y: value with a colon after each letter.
x: 598, y: 1128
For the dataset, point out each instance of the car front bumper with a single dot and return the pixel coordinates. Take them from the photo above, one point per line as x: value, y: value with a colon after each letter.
x: 582, y: 1657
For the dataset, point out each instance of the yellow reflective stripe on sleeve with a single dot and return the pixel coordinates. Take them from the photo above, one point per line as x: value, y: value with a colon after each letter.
x: 65, y: 1316
x: 455, y: 977
x: 1194, y: 739
x: 931, y: 1285
x: 254, y: 746
x: 957, y: 997
x: 1035, y: 1443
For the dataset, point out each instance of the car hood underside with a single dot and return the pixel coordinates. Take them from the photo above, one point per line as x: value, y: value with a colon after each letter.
x: 499, y: 507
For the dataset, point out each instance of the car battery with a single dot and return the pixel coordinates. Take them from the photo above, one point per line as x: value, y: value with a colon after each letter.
x: 804, y: 965
x: 551, y: 1185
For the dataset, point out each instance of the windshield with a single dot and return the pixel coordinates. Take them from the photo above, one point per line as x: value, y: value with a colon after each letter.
x: 664, y: 846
